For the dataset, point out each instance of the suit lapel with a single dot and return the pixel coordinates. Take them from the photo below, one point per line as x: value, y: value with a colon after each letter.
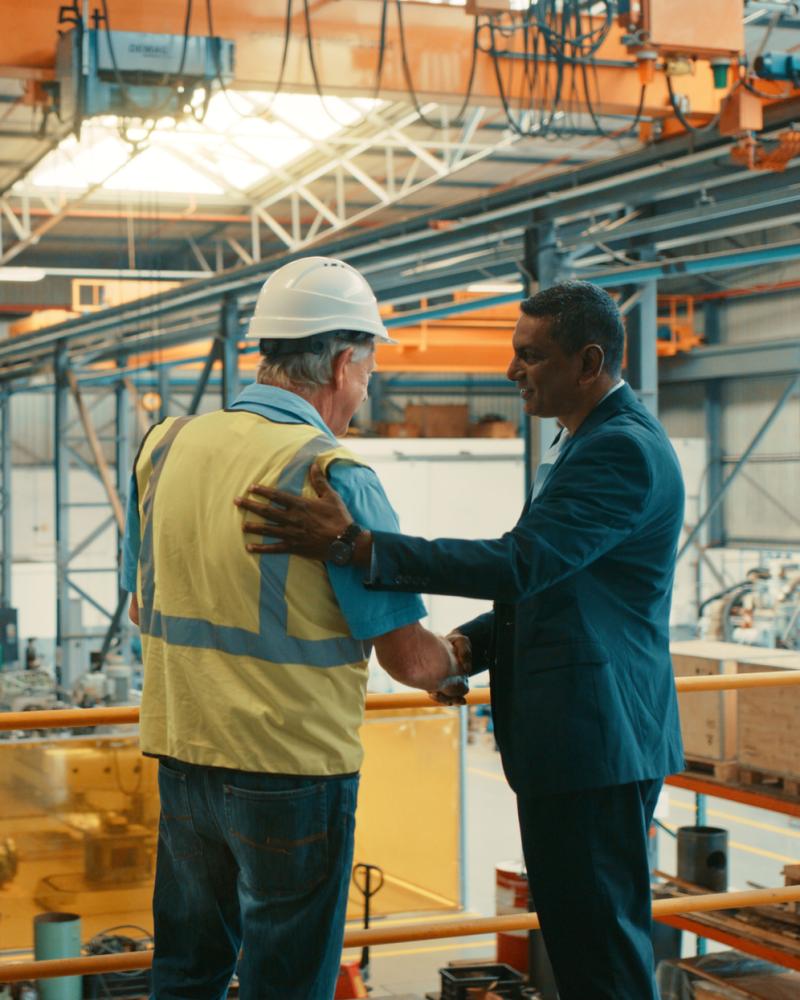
x: 618, y: 400
x: 529, y: 495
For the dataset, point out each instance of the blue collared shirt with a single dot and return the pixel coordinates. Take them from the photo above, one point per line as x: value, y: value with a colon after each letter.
x: 367, y: 613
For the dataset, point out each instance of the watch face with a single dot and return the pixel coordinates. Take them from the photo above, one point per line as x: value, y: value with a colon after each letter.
x: 340, y: 553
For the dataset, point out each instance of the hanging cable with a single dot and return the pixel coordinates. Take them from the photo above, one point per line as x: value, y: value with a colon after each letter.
x: 681, y: 115
x: 313, y: 62
x: 287, y: 35
x: 410, y: 83
x: 381, y: 50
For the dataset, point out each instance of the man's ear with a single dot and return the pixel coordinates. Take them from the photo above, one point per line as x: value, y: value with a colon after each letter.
x: 592, y: 362
x: 340, y: 363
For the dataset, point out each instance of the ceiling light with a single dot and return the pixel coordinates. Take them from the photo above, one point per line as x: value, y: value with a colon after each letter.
x: 21, y: 274
x: 496, y: 287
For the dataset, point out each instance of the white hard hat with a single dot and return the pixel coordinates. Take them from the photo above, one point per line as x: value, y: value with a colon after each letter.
x: 316, y: 295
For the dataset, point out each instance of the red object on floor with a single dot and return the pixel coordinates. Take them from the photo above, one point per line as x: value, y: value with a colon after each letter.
x: 511, y: 899
x: 350, y: 985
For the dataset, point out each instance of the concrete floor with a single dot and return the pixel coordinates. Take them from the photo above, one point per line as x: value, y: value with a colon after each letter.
x: 760, y: 844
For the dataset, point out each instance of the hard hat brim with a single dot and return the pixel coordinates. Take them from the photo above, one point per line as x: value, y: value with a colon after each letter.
x: 293, y: 328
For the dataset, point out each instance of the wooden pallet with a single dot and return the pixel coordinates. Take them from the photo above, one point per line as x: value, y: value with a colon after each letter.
x: 722, y: 770
x: 768, y: 780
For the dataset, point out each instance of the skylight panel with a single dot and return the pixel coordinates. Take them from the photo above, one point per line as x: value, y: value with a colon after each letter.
x: 243, y: 138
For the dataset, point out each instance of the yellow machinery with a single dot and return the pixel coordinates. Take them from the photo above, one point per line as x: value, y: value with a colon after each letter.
x: 79, y: 820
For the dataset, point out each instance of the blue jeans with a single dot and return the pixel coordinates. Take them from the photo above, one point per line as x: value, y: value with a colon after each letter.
x: 252, y: 861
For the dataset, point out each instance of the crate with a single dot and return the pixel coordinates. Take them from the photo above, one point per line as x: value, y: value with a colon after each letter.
x: 708, y: 718
x: 503, y: 980
x: 768, y: 721
x: 436, y: 420
x: 494, y: 429
x: 397, y: 429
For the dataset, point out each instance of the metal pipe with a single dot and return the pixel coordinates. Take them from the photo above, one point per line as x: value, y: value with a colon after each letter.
x: 422, y: 931
x: 126, y: 715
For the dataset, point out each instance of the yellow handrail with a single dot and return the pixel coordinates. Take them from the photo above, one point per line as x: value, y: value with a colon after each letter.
x: 422, y: 931
x: 76, y: 718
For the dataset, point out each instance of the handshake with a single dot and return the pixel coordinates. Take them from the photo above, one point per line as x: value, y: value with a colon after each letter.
x: 455, y: 687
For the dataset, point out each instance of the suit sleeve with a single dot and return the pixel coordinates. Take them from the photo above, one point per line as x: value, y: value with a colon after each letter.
x: 479, y: 631
x: 594, y: 501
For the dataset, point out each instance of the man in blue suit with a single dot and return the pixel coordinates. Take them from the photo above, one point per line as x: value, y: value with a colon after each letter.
x: 577, y: 643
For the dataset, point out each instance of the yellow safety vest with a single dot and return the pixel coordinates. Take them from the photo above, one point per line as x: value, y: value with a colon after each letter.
x: 248, y: 661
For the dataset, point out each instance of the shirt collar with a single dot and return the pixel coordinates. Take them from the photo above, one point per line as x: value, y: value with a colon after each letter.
x: 280, y: 405
x: 612, y: 390
x: 564, y: 435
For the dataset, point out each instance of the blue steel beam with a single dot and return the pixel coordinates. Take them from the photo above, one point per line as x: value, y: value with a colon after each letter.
x: 711, y: 189
x: 750, y: 360
x: 677, y: 267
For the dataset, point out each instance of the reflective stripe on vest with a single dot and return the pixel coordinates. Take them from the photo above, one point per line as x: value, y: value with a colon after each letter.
x: 271, y: 642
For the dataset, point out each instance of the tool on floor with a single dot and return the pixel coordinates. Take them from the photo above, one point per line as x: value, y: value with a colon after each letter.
x: 363, y: 880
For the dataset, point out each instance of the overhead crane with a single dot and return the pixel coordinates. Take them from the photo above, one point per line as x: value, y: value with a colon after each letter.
x: 369, y: 47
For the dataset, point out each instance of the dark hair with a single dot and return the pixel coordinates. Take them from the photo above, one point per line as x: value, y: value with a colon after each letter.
x: 580, y: 314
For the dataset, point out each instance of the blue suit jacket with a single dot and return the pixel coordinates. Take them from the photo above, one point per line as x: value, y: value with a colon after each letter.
x: 578, y: 641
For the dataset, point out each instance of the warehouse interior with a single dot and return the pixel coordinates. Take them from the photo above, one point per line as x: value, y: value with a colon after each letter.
x: 157, y: 163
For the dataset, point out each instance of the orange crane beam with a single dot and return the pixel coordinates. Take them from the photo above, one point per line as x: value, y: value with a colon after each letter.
x: 345, y: 42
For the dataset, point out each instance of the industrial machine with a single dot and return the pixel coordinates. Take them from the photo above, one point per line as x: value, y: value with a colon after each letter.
x: 761, y: 610
x: 135, y: 75
x: 9, y: 646
x: 28, y: 690
x: 106, y: 796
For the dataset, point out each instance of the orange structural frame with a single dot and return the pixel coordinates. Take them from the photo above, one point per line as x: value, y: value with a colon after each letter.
x: 735, y: 793
x: 346, y: 39
x: 476, y: 342
x: 769, y: 953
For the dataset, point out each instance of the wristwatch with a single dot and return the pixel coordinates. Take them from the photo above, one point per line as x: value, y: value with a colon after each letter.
x: 341, y: 549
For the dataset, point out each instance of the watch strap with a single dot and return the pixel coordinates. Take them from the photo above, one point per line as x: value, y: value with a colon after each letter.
x: 350, y: 533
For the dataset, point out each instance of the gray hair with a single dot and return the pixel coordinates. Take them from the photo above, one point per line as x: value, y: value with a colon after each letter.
x: 304, y: 373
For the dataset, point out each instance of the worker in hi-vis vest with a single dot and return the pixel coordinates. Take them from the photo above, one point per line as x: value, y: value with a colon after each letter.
x: 255, y: 668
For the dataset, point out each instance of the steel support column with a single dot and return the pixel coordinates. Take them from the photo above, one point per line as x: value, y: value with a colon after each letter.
x: 202, y: 381
x: 229, y: 339
x: 122, y: 456
x: 715, y: 535
x: 5, y: 497
x: 377, y: 397
x: 65, y: 668
x: 541, y: 251
x: 163, y: 392
x: 641, y: 326
x: 542, y: 259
